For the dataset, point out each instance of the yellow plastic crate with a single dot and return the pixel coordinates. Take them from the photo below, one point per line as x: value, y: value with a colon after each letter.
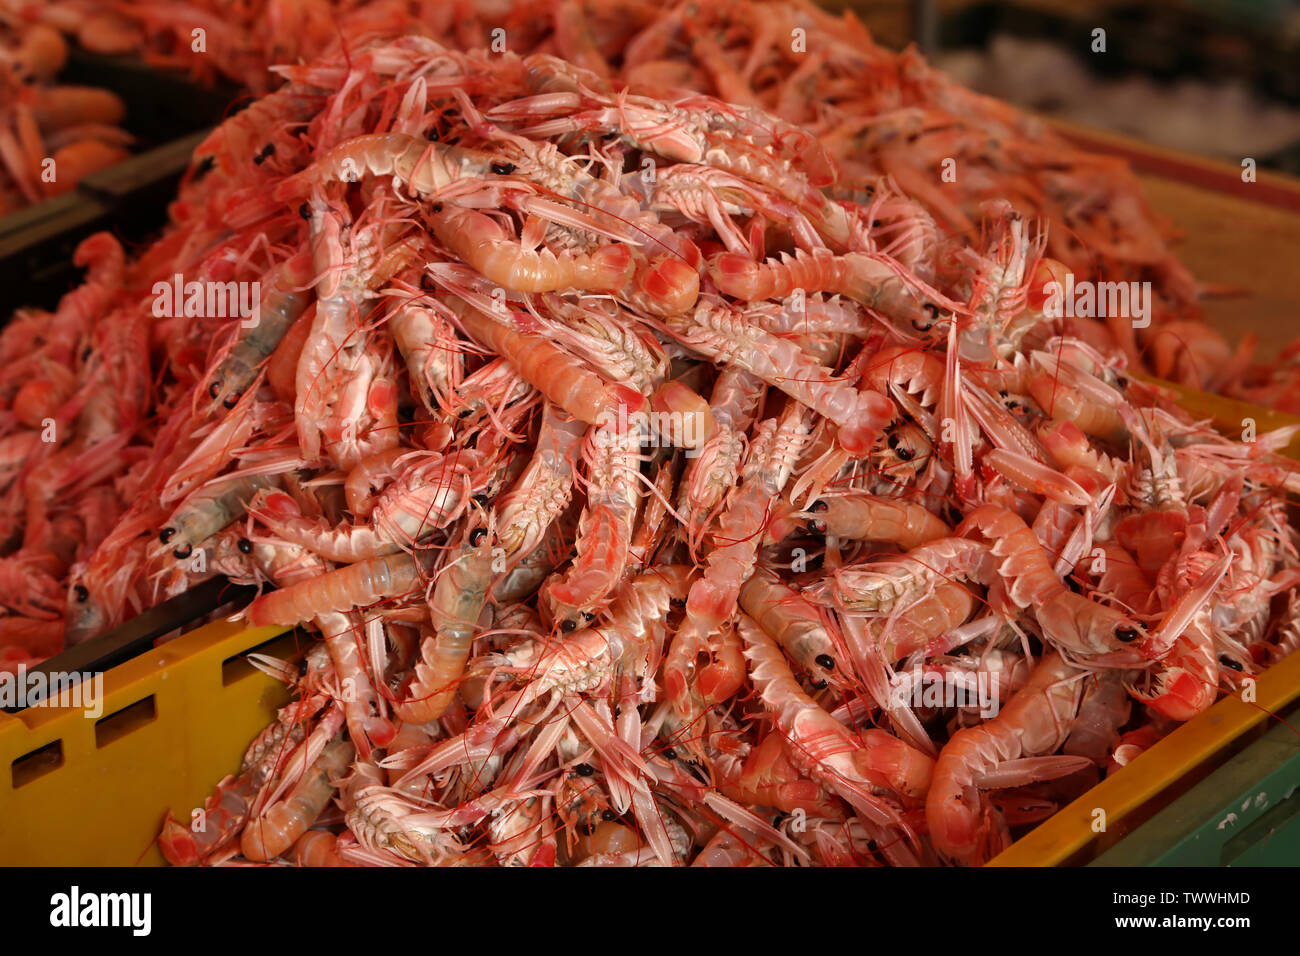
x: 82, y: 791
x: 94, y: 792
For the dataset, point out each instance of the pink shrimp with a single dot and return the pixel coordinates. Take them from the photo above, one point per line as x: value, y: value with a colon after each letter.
x: 554, y: 373
x: 605, y: 529
x: 343, y: 589
x: 1035, y: 722
x: 803, y: 632
x: 277, y: 828
x: 457, y: 601
x: 484, y: 244
x: 918, y: 625
x: 725, y: 336
x: 864, y: 517
x: 855, y: 768
x: 1070, y: 621
x: 424, y: 498
x: 425, y: 168
x: 867, y: 279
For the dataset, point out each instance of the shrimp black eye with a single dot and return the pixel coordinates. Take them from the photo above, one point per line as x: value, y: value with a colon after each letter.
x: 302, y: 667
x: 205, y: 165
x: 305, y: 210
x: 816, y: 527
x: 503, y: 169
x: 905, y: 453
x: 436, y: 207
x: 588, y: 616
x: 584, y: 770
x: 244, y: 545
x: 825, y: 662
x: 267, y: 151
x: 922, y: 326
x: 1003, y: 393
x: 481, y: 500
x: 1229, y: 662
x: 476, y: 536
x: 465, y: 413
x: 83, y: 595
x: 166, y: 535
x: 608, y: 815
x: 819, y: 684
x: 819, y: 505
x: 568, y: 626
x: 931, y: 310
x: 231, y: 402
x: 892, y: 442
x: 670, y: 754
x: 1122, y: 382
x: 184, y: 551
x: 214, y: 389
x: 1126, y: 633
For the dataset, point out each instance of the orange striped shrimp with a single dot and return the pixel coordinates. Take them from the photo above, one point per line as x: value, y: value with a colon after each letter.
x: 1187, y: 675
x: 593, y: 327
x: 542, y: 492
x: 768, y: 777
x: 367, y: 475
x: 905, y: 370
x: 286, y: 297
x: 884, y: 584
x: 1070, y: 394
x: 918, y: 625
x: 484, y: 244
x: 351, y: 260
x: 318, y: 848
x: 425, y: 168
x: 712, y: 473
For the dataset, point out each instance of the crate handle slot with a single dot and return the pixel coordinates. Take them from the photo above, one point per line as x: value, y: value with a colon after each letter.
x: 37, y: 763
x: 125, y: 720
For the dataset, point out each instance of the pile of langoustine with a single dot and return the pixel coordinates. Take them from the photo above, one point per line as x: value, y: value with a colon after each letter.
x: 52, y: 135
x: 573, y: 612
x: 877, y: 111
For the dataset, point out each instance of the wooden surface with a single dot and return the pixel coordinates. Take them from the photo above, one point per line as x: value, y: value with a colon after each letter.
x: 1233, y: 242
x: 1241, y: 239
